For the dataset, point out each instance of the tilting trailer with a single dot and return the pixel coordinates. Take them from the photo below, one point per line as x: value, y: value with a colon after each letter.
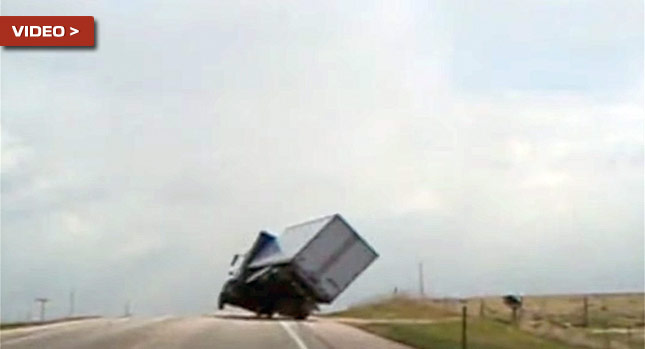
x: 308, y: 264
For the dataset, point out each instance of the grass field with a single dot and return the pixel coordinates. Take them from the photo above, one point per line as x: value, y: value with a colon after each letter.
x: 398, y: 308
x: 603, y: 310
x: 482, y: 334
x: 612, y: 321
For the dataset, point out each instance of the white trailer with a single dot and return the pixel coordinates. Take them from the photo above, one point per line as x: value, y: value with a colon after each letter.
x: 309, y: 263
x: 326, y: 253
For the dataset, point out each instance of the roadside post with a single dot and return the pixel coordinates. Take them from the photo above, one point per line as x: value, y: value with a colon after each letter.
x: 585, y: 311
x: 464, y: 324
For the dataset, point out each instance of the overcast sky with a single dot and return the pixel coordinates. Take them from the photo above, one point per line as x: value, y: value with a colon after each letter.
x: 499, y: 142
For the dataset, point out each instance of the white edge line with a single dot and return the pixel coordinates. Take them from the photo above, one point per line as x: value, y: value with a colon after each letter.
x: 36, y: 332
x: 40, y: 331
x: 293, y: 335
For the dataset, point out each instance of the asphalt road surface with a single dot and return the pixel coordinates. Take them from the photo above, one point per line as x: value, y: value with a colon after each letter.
x: 223, y: 331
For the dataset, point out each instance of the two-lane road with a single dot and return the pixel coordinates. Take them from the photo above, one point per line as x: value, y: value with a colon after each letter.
x: 237, y: 332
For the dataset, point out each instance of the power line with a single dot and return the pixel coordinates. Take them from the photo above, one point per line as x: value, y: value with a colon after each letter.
x: 126, y: 309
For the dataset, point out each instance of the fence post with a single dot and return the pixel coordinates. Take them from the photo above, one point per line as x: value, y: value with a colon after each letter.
x: 605, y: 326
x: 482, y: 308
x: 464, y: 318
x: 585, y: 312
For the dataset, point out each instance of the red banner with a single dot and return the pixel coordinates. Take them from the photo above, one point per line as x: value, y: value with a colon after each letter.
x: 46, y: 31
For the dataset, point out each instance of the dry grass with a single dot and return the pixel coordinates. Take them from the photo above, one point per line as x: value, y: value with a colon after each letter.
x: 399, y: 307
x: 604, y: 310
x: 482, y: 334
x: 615, y: 321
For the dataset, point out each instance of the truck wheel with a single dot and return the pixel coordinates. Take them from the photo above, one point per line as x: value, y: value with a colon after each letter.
x: 302, y: 316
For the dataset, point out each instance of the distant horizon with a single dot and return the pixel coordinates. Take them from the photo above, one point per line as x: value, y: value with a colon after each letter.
x: 368, y: 300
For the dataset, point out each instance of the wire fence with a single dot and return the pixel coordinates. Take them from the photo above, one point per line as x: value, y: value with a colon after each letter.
x: 604, y: 321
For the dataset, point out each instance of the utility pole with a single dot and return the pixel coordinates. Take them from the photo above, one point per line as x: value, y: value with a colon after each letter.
x: 42, y: 302
x: 71, y: 303
x: 421, y: 286
x: 126, y: 310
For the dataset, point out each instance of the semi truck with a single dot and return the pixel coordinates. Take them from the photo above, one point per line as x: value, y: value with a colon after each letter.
x: 308, y: 264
